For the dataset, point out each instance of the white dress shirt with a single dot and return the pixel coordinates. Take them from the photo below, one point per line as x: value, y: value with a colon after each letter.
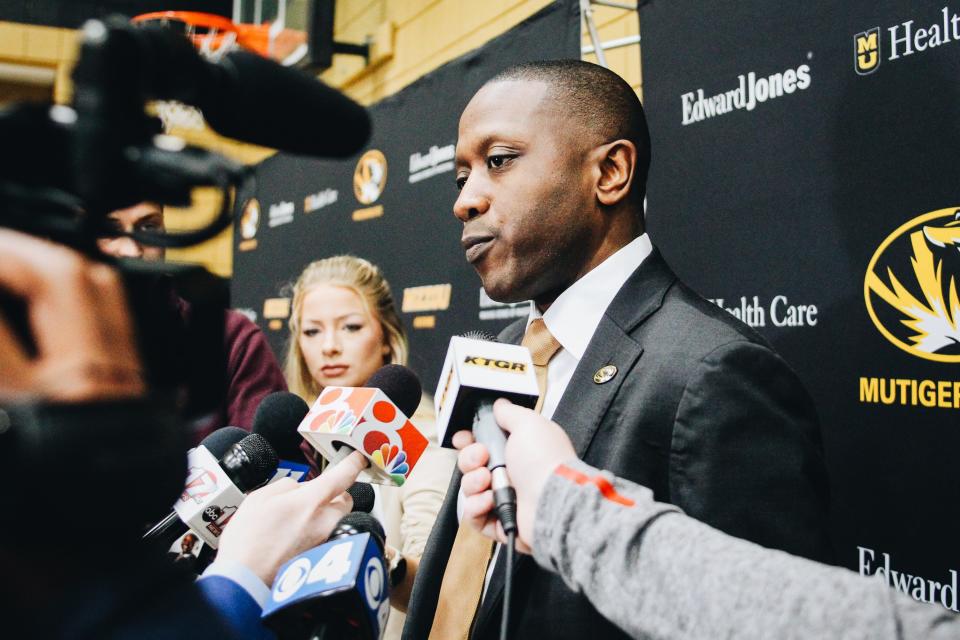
x: 574, y: 316
x: 572, y: 319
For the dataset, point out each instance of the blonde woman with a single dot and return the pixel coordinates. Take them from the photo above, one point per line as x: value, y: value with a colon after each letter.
x: 343, y: 328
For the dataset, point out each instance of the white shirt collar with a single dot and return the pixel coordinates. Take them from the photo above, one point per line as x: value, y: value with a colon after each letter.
x: 574, y: 316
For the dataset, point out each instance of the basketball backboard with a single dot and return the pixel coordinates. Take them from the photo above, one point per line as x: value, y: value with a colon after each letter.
x: 295, y: 29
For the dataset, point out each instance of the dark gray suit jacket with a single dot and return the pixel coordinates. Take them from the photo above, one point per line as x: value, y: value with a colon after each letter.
x: 701, y: 410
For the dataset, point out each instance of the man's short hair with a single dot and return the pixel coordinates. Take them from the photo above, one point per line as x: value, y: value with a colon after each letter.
x: 596, y: 97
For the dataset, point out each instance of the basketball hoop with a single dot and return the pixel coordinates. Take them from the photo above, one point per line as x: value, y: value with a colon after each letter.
x: 214, y: 36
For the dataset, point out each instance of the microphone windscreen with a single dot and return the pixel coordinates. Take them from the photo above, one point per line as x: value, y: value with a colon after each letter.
x: 359, y: 522
x: 261, y: 461
x: 266, y: 103
x: 400, y: 384
x: 277, y: 419
x: 480, y: 335
x: 363, y: 497
x: 222, y: 439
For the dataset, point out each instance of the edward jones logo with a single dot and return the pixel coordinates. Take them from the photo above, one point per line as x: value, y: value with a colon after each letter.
x: 751, y: 90
x: 910, y: 288
x: 369, y: 180
x: 866, y: 51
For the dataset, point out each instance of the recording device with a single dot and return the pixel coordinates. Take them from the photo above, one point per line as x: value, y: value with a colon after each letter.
x: 363, y: 497
x: 72, y: 165
x: 340, y: 589
x: 372, y: 420
x: 277, y: 419
x: 214, y: 490
x: 219, y: 441
x: 476, y: 373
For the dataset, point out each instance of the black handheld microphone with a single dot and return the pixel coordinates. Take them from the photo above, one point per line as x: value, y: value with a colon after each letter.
x: 222, y: 439
x: 363, y: 497
x: 215, y: 488
x: 277, y: 419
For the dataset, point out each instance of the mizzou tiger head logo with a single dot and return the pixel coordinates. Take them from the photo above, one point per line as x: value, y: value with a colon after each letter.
x: 370, y: 176
x: 910, y: 288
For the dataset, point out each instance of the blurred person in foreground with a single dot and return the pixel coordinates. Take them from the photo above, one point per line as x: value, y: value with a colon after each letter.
x: 252, y: 369
x: 106, y: 455
x: 657, y: 573
x: 344, y: 326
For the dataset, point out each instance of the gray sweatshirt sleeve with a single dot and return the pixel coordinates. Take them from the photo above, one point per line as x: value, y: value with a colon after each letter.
x: 657, y: 573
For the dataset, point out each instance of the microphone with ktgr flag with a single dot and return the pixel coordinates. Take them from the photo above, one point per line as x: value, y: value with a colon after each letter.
x: 372, y: 420
x: 340, y: 589
x: 475, y: 373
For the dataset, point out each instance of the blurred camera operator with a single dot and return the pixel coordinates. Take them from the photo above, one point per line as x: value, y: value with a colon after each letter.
x: 657, y: 573
x: 252, y: 369
x: 90, y: 454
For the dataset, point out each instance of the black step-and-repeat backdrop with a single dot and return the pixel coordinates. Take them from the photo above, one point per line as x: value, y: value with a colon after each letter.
x: 392, y: 203
x: 805, y: 178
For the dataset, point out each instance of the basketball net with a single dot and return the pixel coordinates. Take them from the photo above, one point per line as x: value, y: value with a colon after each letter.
x: 213, y: 38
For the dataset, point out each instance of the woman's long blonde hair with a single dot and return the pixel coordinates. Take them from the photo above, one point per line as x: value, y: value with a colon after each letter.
x: 366, y: 280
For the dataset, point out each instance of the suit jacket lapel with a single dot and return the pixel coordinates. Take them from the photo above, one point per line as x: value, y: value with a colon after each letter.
x: 585, y: 402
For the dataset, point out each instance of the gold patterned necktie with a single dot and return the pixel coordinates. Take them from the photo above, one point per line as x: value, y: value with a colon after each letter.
x: 462, y: 584
x: 543, y: 346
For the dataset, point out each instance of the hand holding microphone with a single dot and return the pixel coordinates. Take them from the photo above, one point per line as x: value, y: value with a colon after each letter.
x: 475, y: 373
x: 285, y: 518
x: 534, y: 449
x: 339, y: 589
x: 216, y: 484
x: 371, y: 420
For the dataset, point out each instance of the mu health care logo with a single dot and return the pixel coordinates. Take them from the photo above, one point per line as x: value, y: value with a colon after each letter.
x: 910, y: 288
x: 866, y: 51
x: 917, y: 34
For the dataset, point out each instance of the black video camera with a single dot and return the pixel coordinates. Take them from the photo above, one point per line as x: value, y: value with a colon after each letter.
x: 68, y: 167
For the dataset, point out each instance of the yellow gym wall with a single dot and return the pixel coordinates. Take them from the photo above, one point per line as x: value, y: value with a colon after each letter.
x: 409, y: 38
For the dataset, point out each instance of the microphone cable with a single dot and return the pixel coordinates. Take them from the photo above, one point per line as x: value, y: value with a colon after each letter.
x: 508, y: 584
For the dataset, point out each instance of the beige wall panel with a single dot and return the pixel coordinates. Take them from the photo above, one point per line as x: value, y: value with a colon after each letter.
x: 354, y: 11
x: 43, y: 44
x: 407, y: 10
x: 13, y: 41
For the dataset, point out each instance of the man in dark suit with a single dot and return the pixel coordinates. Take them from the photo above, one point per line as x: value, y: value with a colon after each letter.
x: 650, y: 381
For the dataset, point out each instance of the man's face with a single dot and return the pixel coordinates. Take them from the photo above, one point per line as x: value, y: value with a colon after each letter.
x: 530, y: 224
x: 145, y: 216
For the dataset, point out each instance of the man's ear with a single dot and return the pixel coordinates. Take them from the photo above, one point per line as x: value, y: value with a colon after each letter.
x: 617, y: 162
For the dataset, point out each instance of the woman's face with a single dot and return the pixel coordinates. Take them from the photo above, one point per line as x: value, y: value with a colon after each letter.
x: 342, y: 344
